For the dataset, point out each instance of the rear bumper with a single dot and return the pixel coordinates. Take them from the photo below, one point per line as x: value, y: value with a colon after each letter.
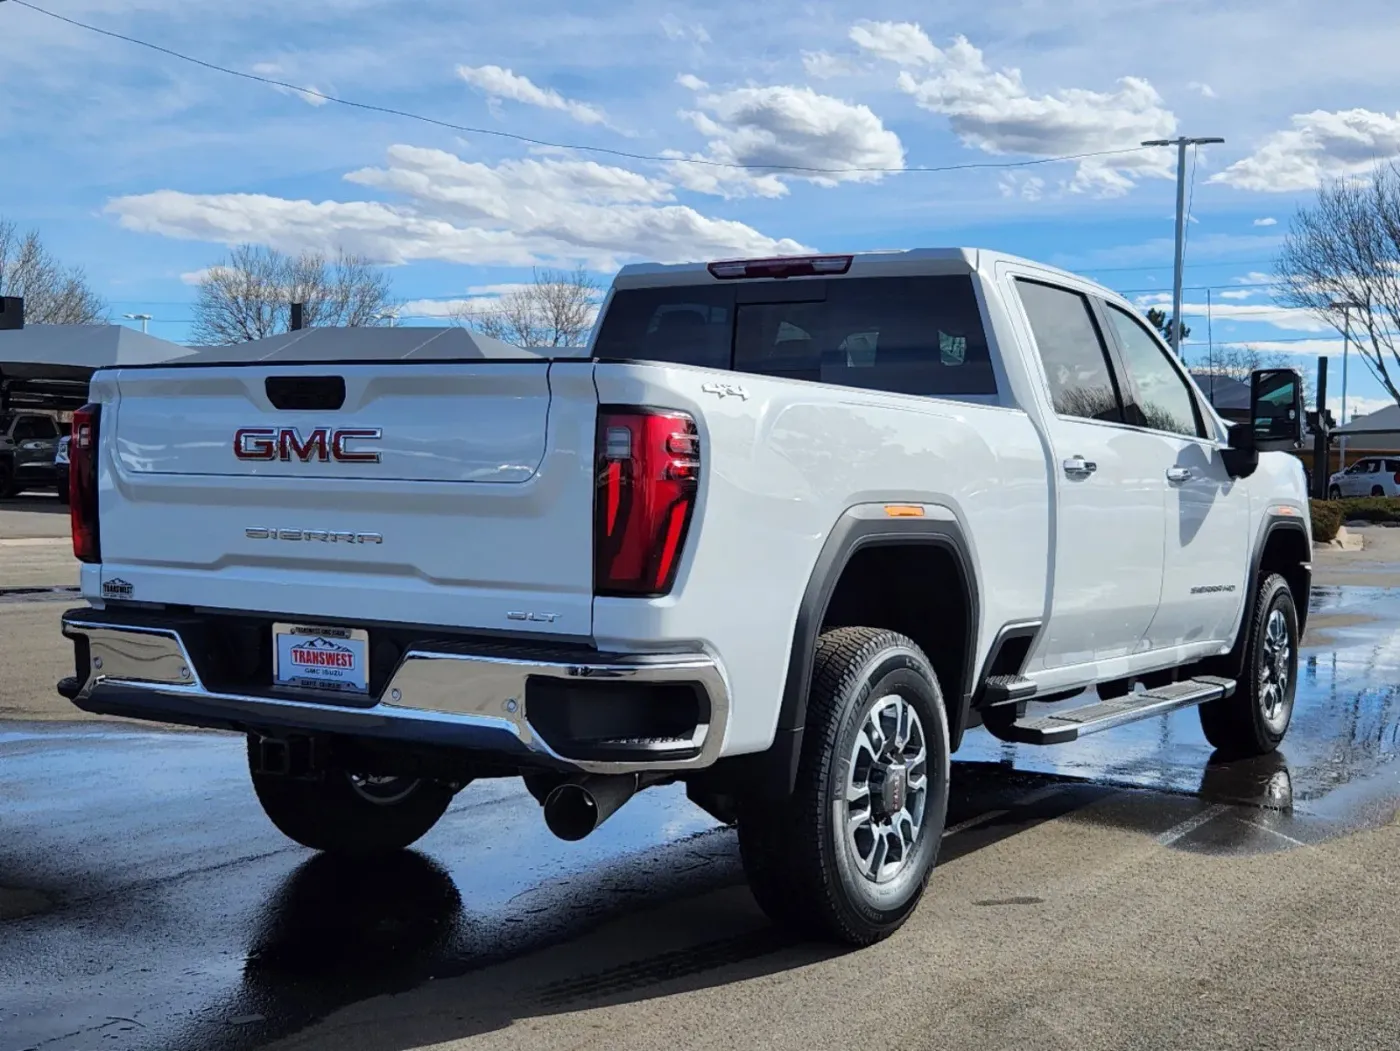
x: 439, y: 694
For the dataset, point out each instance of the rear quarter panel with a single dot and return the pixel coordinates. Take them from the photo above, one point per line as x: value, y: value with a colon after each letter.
x: 780, y: 467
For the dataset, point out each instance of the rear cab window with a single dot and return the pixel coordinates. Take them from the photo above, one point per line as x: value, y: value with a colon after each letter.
x: 906, y: 334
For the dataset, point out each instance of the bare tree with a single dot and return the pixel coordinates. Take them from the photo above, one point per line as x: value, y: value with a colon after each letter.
x: 1345, y: 248
x: 556, y: 309
x: 249, y: 294
x: 52, y: 295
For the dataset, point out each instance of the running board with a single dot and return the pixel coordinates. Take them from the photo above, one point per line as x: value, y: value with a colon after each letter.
x: 1062, y: 727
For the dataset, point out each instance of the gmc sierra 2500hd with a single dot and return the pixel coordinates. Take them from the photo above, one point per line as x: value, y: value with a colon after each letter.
x: 785, y: 532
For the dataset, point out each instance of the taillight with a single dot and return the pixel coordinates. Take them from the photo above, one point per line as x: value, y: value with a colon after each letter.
x: 82, y: 483
x: 648, y: 470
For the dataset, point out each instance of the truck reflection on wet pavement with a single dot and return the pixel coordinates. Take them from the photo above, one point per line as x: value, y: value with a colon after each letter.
x: 147, y: 902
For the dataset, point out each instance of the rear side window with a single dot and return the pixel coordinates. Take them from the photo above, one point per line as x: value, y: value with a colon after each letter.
x: 1072, y: 351
x: 909, y: 335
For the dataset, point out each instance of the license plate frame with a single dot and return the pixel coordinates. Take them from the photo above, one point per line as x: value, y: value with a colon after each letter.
x: 344, y: 669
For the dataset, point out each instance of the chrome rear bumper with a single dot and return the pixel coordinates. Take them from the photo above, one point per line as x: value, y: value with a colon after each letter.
x: 440, y: 696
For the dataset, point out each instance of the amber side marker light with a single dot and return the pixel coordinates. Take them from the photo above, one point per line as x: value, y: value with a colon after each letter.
x: 904, y: 511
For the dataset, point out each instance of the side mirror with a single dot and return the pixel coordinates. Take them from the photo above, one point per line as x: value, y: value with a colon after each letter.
x: 1242, y: 456
x: 1276, y: 408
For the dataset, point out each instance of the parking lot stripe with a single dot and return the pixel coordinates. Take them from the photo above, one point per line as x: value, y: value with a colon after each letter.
x: 1190, y: 825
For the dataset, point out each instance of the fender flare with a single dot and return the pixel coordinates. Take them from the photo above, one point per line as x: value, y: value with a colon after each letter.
x: 851, y: 534
x: 1232, y: 664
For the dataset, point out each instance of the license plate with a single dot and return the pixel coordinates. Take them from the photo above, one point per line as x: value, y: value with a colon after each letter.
x: 320, y: 658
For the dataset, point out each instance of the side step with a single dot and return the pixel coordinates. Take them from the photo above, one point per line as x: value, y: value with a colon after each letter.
x: 998, y: 689
x: 1075, y: 723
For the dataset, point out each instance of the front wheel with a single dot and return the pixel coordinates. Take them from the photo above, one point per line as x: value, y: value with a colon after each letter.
x: 345, y: 813
x: 1255, y: 718
x: 847, y: 856
x: 1334, y: 493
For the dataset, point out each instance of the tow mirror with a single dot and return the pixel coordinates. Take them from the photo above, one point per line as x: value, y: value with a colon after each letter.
x: 1276, y: 408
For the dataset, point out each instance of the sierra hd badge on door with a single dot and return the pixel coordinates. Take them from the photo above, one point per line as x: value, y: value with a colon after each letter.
x: 323, y: 444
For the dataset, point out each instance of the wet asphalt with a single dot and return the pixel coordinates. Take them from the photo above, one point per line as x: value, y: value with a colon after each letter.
x: 151, y: 905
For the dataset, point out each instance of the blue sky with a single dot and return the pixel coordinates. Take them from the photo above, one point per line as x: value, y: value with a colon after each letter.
x: 144, y: 169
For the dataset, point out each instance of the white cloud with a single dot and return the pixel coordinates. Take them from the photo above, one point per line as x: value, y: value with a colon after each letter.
x: 823, y: 65
x: 1255, y: 277
x: 691, y: 81
x: 1026, y: 187
x: 675, y: 29
x: 1321, y: 145
x: 436, y: 308
x: 275, y: 70
x: 498, y: 83
x: 993, y: 110
x: 903, y: 43
x: 1204, y: 90
x: 788, y: 127
x: 516, y: 213
x: 1292, y: 319
x: 1268, y: 220
x: 1239, y: 293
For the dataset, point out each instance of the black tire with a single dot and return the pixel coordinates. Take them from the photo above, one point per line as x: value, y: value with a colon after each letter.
x: 7, y: 480
x: 801, y: 864
x: 1254, y: 720
x: 1376, y: 490
x: 1334, y: 493
x: 332, y: 814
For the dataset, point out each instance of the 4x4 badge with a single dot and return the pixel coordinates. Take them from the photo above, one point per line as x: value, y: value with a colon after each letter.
x: 724, y: 390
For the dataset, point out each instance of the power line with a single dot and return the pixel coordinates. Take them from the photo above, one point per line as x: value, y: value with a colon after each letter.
x: 467, y: 129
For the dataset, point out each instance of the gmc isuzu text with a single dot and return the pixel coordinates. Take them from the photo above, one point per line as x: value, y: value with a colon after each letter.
x: 786, y: 533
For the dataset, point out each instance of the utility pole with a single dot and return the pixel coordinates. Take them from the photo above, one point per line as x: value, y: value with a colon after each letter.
x: 1180, y: 144
x: 1346, y: 306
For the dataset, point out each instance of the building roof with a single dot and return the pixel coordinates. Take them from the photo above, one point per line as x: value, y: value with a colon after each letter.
x: 44, y: 352
x: 1224, y: 392
x: 376, y: 343
x: 1386, y: 420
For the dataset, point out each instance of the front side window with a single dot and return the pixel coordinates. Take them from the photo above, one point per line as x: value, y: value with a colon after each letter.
x: 1075, y: 360
x: 1164, y: 398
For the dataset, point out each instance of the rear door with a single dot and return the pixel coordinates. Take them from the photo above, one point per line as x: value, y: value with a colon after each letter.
x: 1207, y: 512
x: 435, y: 494
x: 1108, y: 544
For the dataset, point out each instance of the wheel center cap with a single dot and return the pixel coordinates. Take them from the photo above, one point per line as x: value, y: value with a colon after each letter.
x: 892, y: 788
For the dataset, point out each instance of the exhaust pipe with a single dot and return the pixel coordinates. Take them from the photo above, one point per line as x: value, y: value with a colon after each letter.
x: 575, y: 808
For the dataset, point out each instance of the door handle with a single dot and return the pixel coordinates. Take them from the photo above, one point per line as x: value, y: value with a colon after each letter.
x: 1177, y: 475
x: 1078, y: 467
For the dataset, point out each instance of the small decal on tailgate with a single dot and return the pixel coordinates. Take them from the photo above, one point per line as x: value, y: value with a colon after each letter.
x: 116, y: 588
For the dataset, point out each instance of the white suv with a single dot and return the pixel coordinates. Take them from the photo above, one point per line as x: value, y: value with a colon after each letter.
x: 1372, y: 476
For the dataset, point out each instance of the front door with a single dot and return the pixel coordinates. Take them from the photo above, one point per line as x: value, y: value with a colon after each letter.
x: 1109, y: 510
x: 1207, y: 511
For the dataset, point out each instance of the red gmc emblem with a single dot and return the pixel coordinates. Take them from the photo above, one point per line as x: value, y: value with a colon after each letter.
x: 323, y: 444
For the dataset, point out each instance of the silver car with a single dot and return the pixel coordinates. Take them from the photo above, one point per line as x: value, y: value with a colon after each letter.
x: 1370, y: 476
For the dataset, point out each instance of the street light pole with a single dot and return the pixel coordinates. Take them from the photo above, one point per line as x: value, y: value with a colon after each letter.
x: 143, y: 318
x: 1180, y: 143
x: 1345, y: 306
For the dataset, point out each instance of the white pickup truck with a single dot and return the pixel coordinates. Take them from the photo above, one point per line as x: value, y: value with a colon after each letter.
x: 785, y: 532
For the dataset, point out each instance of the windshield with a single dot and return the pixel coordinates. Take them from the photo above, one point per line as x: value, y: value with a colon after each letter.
x: 911, y: 335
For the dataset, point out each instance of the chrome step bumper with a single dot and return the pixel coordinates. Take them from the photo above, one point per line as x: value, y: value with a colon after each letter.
x: 440, y: 696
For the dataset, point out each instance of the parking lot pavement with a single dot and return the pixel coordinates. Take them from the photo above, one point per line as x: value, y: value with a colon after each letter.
x: 1127, y: 891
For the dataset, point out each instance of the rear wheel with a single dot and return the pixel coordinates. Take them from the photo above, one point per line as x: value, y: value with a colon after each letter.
x: 7, y: 480
x: 848, y: 854
x: 1255, y: 718
x: 1377, y: 490
x: 346, y: 813
x: 1334, y: 493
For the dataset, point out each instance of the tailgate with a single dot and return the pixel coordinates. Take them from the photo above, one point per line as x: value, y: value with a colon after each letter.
x: 455, y: 495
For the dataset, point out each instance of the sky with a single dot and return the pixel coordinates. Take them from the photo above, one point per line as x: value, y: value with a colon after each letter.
x: 145, y: 169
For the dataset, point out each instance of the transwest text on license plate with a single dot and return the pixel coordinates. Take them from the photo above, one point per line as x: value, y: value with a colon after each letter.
x: 320, y: 658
